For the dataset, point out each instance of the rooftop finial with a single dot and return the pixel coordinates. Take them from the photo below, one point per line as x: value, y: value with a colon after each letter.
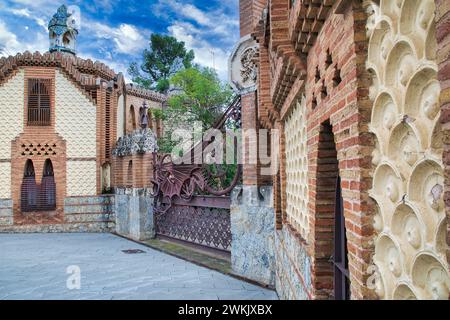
x: 62, y: 31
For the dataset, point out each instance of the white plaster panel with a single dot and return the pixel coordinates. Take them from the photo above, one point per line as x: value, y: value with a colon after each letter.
x: 81, y: 178
x: 410, y: 248
x: 11, y: 125
x: 297, y: 169
x: 75, y: 119
x: 5, y: 180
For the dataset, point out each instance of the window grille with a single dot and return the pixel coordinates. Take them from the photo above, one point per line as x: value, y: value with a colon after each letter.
x: 39, y: 102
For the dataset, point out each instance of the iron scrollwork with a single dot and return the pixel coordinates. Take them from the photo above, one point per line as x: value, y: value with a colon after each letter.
x: 189, y: 198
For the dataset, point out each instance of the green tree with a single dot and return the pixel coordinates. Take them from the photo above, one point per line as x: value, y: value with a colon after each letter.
x: 165, y: 57
x: 202, y: 98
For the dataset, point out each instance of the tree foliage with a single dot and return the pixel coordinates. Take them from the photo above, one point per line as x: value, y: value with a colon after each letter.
x: 165, y: 58
x: 201, y: 97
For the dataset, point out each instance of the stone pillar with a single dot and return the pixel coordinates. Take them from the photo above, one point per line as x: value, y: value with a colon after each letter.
x: 134, y: 213
x: 252, y: 210
x: 253, y: 231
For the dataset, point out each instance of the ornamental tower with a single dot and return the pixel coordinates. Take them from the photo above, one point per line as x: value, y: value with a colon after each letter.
x: 63, y: 32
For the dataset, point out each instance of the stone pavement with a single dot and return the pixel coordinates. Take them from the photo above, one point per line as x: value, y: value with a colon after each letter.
x: 34, y: 266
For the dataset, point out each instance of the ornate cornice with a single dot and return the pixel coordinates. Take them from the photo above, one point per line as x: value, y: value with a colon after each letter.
x: 140, y: 92
x: 85, y: 73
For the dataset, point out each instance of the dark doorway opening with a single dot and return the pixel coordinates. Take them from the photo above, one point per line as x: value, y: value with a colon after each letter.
x: 340, y: 257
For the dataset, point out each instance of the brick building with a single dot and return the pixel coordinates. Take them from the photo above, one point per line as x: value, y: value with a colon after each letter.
x: 61, y: 118
x: 358, y: 92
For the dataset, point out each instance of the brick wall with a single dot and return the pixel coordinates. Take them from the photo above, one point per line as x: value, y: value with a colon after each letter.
x: 137, y: 175
x: 339, y: 107
x: 250, y: 12
x: 340, y: 49
x: 336, y: 89
x: 135, y: 103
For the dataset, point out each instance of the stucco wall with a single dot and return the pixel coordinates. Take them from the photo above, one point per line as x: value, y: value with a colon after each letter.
x: 76, y: 123
x: 11, y: 125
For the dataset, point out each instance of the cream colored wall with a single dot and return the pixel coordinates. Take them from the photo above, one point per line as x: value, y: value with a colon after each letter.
x: 81, y: 178
x: 297, y: 169
x: 11, y: 125
x: 410, y: 247
x: 76, y: 123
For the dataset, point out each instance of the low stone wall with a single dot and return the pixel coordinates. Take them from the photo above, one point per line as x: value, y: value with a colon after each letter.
x: 81, y: 214
x: 92, y: 214
x: 253, y: 231
x: 293, y: 267
x: 134, y: 213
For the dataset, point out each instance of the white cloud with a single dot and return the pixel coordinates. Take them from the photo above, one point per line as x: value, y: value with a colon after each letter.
x: 216, y: 21
x: 211, y: 33
x: 27, y: 14
x: 10, y: 45
x: 21, y: 12
x: 200, y: 30
x: 112, y: 64
x: 203, y: 49
x: 127, y: 38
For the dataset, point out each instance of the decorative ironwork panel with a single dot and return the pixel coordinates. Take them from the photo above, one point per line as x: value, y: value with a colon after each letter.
x: 192, y: 200
x: 207, y: 225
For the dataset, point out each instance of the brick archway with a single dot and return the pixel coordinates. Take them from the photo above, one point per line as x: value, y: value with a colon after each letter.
x: 327, y: 174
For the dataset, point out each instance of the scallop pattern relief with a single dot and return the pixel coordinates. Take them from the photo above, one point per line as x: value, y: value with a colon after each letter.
x: 297, y: 169
x: 408, y: 178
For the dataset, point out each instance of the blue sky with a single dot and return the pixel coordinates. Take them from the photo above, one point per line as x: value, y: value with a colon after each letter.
x: 115, y: 31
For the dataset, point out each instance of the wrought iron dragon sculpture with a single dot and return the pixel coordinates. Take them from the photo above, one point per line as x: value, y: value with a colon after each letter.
x: 172, y: 180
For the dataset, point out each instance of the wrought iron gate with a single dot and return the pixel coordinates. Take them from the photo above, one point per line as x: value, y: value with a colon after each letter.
x: 192, y: 201
x: 205, y: 220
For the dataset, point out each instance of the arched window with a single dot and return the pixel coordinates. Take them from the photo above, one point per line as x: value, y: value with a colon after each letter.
x: 47, y: 194
x: 132, y: 118
x: 67, y: 38
x: 130, y: 174
x: 106, y: 178
x: 39, y: 102
x: 28, y: 190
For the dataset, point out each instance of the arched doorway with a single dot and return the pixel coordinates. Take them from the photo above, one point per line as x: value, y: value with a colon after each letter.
x: 330, y: 222
x: 29, y: 190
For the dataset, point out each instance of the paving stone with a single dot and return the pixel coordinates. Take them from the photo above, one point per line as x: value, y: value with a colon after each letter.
x: 34, y: 266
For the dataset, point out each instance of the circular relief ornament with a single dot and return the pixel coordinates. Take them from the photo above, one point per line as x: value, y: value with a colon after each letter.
x: 242, y: 66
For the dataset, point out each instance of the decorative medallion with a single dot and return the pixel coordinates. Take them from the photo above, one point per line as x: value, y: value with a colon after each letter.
x: 242, y: 66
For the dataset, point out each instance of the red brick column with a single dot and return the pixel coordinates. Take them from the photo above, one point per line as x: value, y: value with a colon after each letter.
x: 250, y: 13
x: 443, y: 59
x: 249, y: 139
